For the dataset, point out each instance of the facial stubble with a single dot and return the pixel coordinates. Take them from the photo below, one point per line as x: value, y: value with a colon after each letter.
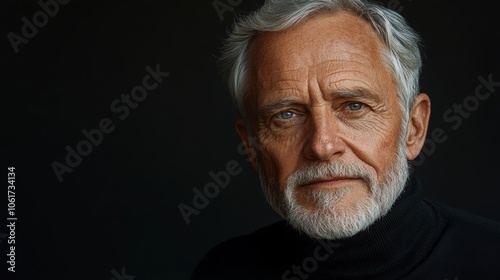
x: 331, y: 218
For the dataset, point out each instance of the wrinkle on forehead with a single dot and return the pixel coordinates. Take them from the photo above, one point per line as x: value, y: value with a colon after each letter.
x: 278, y: 79
x: 293, y: 52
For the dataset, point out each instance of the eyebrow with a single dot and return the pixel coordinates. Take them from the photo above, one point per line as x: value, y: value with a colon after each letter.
x: 277, y: 105
x: 357, y: 93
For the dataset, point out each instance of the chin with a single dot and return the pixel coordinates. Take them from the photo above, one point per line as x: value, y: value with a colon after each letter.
x: 332, y: 214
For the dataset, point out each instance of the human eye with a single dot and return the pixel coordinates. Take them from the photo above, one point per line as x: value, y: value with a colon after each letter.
x: 355, y: 106
x: 286, y: 118
x: 285, y: 115
x: 353, y: 110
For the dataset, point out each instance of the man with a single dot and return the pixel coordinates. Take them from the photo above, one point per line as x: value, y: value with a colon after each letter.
x: 331, y: 114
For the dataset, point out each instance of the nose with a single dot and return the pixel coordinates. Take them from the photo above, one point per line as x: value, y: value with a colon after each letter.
x: 324, y: 139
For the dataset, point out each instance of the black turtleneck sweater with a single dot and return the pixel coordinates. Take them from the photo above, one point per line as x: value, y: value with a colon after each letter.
x: 417, y: 239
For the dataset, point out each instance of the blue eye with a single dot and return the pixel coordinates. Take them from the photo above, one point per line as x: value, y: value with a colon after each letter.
x: 286, y: 115
x: 355, y: 106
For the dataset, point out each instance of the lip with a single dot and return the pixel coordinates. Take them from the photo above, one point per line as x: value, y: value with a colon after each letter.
x: 334, y: 182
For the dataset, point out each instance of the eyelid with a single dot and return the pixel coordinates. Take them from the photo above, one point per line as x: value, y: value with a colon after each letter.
x: 356, y: 102
x: 277, y: 122
x: 278, y: 114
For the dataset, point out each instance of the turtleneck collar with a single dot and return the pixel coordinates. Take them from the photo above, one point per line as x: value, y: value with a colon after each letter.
x: 388, y: 249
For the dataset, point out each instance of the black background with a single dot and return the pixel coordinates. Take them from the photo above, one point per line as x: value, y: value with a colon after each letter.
x: 117, y: 212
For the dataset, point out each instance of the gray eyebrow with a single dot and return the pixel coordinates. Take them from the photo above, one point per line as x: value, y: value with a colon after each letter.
x: 278, y: 104
x: 364, y: 93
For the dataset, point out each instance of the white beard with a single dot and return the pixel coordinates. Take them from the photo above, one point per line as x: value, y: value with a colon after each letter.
x: 328, y: 220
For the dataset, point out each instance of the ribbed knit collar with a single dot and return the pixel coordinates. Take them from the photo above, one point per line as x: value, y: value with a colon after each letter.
x: 390, y: 248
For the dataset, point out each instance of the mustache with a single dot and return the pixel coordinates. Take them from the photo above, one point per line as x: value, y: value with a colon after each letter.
x: 325, y: 171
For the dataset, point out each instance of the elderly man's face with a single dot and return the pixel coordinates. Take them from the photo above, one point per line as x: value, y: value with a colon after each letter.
x: 321, y: 94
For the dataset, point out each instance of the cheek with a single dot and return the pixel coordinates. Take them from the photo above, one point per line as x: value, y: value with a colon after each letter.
x: 376, y: 146
x: 279, y: 158
x: 387, y: 151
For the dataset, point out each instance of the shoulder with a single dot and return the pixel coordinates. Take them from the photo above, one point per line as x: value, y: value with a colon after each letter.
x: 455, y: 217
x: 474, y: 237
x: 241, y: 253
x: 255, y: 242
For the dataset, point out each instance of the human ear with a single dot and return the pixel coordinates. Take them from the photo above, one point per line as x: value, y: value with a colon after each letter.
x: 417, y: 125
x: 241, y: 128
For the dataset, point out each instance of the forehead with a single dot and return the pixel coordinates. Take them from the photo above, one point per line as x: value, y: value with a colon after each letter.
x: 324, y: 43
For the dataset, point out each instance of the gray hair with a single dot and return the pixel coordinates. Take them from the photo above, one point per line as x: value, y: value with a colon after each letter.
x: 401, y: 52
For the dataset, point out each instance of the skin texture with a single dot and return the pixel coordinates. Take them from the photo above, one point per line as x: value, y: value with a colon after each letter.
x: 320, y: 92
